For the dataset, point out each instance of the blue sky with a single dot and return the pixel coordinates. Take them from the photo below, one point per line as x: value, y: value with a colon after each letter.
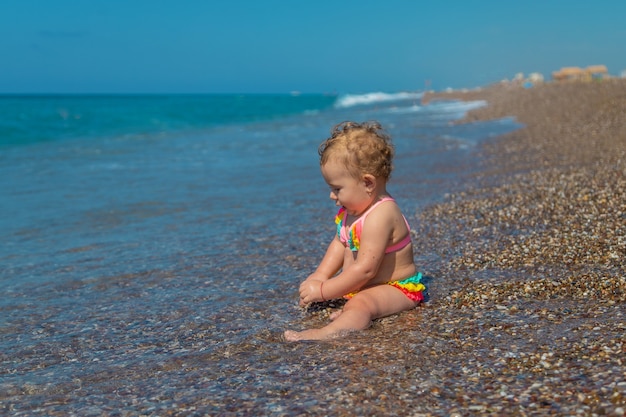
x: 270, y: 46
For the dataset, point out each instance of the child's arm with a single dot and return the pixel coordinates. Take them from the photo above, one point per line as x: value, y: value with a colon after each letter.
x: 375, y: 236
x: 331, y: 262
x: 328, y: 267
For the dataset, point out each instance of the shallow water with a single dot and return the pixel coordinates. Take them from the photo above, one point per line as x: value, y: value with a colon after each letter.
x: 155, y: 275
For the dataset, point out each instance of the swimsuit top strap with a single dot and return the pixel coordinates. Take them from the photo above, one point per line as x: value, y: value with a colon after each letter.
x: 351, y: 237
x: 369, y: 210
x: 404, y: 242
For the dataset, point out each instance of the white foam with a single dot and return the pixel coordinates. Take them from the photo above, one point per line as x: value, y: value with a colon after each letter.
x: 456, y: 106
x: 443, y: 108
x: 411, y: 109
x: 350, y: 100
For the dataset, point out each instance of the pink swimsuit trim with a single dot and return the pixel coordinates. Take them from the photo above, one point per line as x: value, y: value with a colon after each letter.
x: 350, y: 236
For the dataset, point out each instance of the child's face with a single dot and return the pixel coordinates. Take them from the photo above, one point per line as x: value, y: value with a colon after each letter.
x: 346, y: 190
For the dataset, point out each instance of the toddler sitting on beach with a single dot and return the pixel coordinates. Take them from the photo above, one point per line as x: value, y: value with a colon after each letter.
x: 370, y: 259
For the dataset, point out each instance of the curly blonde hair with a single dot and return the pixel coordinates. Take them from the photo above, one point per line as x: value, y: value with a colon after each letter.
x: 364, y: 148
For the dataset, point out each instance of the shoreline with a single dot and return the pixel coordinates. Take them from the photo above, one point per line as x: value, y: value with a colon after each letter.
x: 528, y: 282
x: 554, y: 115
x: 564, y: 167
x: 523, y: 264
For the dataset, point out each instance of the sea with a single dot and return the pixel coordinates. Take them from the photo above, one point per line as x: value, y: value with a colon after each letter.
x: 152, y: 245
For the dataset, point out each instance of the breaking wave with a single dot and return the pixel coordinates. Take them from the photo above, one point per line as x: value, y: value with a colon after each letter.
x: 350, y: 100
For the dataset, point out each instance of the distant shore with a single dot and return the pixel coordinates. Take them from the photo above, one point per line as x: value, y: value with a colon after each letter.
x: 565, y: 123
x: 528, y: 264
x: 570, y: 157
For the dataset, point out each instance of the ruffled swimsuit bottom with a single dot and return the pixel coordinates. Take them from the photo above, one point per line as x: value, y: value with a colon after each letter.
x: 412, y: 287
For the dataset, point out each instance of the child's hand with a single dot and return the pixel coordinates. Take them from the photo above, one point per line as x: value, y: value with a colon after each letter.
x: 316, y: 276
x: 310, y: 291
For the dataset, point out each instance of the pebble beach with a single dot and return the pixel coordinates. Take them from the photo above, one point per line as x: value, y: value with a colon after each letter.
x: 521, y: 238
x: 529, y: 289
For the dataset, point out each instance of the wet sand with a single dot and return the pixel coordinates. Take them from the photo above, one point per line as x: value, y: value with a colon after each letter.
x: 528, y: 301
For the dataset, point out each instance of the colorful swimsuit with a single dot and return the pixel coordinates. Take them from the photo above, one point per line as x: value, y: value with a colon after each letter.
x: 411, y: 287
x: 350, y: 237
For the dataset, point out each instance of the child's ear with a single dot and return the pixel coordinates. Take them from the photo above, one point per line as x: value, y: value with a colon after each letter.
x: 370, y: 182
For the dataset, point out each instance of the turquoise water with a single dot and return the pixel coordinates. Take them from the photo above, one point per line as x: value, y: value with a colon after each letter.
x: 142, y: 232
x: 31, y: 119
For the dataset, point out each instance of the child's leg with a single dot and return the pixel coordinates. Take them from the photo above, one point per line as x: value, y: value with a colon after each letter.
x: 358, y: 313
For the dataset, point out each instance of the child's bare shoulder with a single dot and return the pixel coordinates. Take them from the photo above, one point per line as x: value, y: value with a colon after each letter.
x: 388, y: 212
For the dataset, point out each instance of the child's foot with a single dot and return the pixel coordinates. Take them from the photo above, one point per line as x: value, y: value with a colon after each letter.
x: 311, y: 334
x: 335, y: 314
